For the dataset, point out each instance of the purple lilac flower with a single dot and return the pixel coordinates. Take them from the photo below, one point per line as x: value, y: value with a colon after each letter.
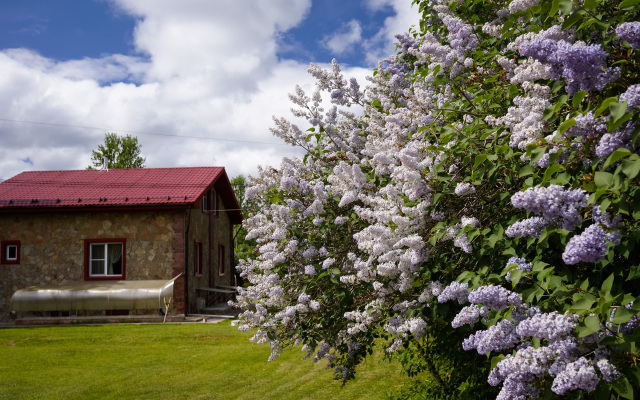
x: 609, y: 371
x: 527, y: 364
x: 521, y: 263
x: 498, y: 337
x: 555, y: 203
x: 611, y: 142
x: 632, y: 96
x: 455, y: 291
x: 579, y: 374
x: 589, y: 246
x: 551, y: 326
x: 530, y: 227
x: 605, y: 218
x: 495, y: 297
x: 580, y: 65
x: 630, y: 32
x: 587, y: 126
x: 469, y: 315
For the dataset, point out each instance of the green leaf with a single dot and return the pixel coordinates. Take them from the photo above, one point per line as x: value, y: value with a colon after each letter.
x: 621, y: 316
x: 607, y: 284
x: 526, y: 170
x: 565, y: 7
x: 583, y: 304
x: 555, y: 6
x: 578, y: 97
x: 479, y: 159
x: 615, y: 156
x: 605, y: 105
x: 516, y: 275
x: 335, y: 271
x: 617, y: 110
x: 589, y: 4
x: 603, y: 179
x: 569, y: 22
x: 629, y: 4
x: 592, y: 325
x: 603, y: 391
x: 631, y: 166
x: 623, y: 387
x: 495, y: 360
x: 549, y: 172
x: 566, y: 125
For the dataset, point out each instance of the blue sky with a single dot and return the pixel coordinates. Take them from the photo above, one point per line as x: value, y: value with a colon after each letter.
x: 186, y: 77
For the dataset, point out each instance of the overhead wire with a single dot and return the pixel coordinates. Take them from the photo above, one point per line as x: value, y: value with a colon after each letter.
x: 140, y: 132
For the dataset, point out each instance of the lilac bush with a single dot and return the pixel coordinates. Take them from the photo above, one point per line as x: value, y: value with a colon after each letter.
x: 498, y: 134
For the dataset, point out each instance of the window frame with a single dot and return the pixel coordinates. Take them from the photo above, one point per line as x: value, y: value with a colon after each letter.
x: 87, y: 259
x: 221, y: 259
x: 4, y: 257
x: 209, y: 202
x: 197, y: 258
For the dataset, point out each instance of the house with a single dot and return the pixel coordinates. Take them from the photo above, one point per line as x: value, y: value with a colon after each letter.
x: 112, y: 242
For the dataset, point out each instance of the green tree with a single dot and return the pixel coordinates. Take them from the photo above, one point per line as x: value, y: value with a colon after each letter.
x: 242, y: 247
x: 122, y: 152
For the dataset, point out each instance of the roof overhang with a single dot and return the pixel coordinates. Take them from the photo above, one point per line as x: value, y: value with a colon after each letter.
x: 94, y: 295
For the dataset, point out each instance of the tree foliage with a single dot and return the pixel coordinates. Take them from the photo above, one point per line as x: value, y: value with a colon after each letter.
x: 480, y: 217
x: 121, y: 151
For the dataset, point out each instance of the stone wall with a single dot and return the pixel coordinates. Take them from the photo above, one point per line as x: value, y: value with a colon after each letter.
x: 210, y: 229
x: 52, y: 246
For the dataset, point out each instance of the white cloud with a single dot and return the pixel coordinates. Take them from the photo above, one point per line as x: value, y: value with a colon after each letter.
x: 344, y: 39
x: 204, y: 69
x: 382, y: 44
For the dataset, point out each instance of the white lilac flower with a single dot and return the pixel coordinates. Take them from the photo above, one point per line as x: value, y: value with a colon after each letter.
x: 464, y: 189
x: 468, y: 315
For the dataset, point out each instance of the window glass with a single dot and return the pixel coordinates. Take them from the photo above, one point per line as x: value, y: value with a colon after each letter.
x: 106, y: 259
x: 12, y: 252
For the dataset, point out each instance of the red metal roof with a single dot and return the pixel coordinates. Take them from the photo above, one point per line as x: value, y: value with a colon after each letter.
x: 115, y: 187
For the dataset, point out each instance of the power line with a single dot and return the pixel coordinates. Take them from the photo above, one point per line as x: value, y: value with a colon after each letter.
x: 139, y: 132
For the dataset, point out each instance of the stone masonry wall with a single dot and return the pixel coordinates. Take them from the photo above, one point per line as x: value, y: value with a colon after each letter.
x: 52, y: 246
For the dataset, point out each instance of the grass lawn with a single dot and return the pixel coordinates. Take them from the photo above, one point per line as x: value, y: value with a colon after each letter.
x: 173, y: 361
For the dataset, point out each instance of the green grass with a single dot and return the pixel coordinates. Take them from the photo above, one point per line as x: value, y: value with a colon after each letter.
x: 173, y: 361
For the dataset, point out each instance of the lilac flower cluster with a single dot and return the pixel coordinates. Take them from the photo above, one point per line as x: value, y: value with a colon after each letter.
x: 605, y: 218
x: 551, y: 326
x: 611, y: 142
x: 521, y: 263
x: 469, y: 315
x: 579, y: 374
x: 530, y: 227
x: 630, y: 32
x: 464, y: 188
x: 632, y: 96
x: 454, y: 291
x: 587, y: 126
x: 498, y: 337
x: 495, y: 297
x: 589, y: 246
x: 525, y: 366
x: 555, y: 203
x: 579, y: 64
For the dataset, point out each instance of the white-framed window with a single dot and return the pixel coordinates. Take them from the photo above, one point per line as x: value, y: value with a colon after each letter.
x: 10, y: 252
x: 105, y: 258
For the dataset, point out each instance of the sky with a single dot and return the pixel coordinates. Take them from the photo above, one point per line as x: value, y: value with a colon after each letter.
x: 196, y: 81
